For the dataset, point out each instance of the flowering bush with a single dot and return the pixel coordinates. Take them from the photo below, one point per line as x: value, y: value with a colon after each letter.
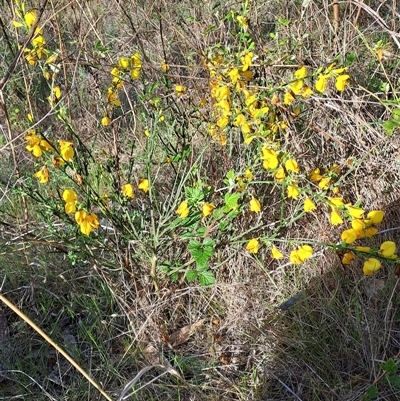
x: 234, y: 112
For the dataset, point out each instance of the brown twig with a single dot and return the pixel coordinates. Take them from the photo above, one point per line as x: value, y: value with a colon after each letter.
x: 26, y: 319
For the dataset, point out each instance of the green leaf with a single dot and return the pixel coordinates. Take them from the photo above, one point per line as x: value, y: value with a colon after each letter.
x: 284, y: 21
x: 191, y: 275
x: 394, y: 380
x: 350, y: 58
x: 194, y: 246
x: 174, y: 277
x: 209, y: 244
x: 201, y: 231
x: 389, y: 126
x: 396, y: 114
x: 201, y: 252
x: 202, y: 267
x: 194, y: 195
x: 207, y: 278
x: 231, y: 200
x: 372, y: 393
x: 390, y: 366
x: 230, y: 178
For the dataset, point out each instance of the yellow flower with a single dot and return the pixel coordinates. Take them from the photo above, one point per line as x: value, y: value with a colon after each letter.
x: 164, y: 66
x: 136, y: 60
x: 349, y: 236
x: 183, y: 210
x: 30, y: 18
x: 127, y: 191
x: 222, y: 92
x: 180, y: 90
x: 306, y: 91
x: 321, y: 83
x: 242, y: 22
x: 301, y: 73
x: 276, y: 254
x: 239, y: 120
x: 57, y: 92
x: 270, y: 158
x: 291, y: 165
x: 363, y: 249
x: 246, y: 61
x: 87, y: 222
x: 376, y: 216
x: 38, y: 41
x: 324, y: 182
x: 387, y: 249
x: 248, y: 175
x: 301, y: 255
x: 115, y: 72
x: 371, y: 265
x: 33, y: 145
x: 358, y: 225
x: 223, y: 121
x: 105, y: 121
x: 123, y: 63
x: 112, y: 97
x: 297, y: 87
x: 66, y: 150
x: 335, y: 218
x: 348, y: 257
x: 255, y: 205
x: 337, y: 71
x: 305, y: 252
x: 355, y: 212
x: 315, y: 175
x: 42, y: 175
x: 144, y: 185
x: 207, y: 209
x: 293, y: 191
x: 309, y: 205
x: 341, y: 82
x: 253, y: 245
x: 288, y: 98
x: 234, y: 75
x: 69, y: 195
x: 135, y: 73
x: 370, y: 232
x: 294, y: 258
x: 280, y: 174
x: 71, y: 198
x: 336, y: 201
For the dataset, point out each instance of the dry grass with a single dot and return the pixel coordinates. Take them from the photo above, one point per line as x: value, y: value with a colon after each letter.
x: 230, y: 341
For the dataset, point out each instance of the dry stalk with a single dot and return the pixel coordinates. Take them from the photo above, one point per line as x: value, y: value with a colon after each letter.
x: 53, y: 344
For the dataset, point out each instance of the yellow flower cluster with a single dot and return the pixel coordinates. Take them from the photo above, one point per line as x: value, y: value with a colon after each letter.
x: 37, y: 145
x: 299, y: 88
x: 27, y: 19
x: 326, y: 178
x: 128, y: 190
x: 131, y: 66
x: 297, y: 256
x: 363, y: 228
x: 183, y: 209
x: 87, y: 222
x: 233, y: 100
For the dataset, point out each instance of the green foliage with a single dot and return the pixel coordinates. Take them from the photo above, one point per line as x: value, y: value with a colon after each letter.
x: 393, y: 123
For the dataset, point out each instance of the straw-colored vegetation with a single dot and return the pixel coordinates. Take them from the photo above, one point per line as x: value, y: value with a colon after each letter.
x: 199, y: 200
